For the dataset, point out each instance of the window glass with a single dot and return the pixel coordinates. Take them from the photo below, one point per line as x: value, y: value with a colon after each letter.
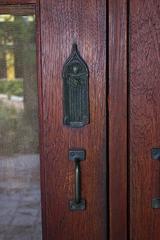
x: 20, y: 211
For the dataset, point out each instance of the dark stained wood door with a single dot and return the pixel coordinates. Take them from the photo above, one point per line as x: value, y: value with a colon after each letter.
x: 62, y: 24
x: 117, y: 119
x: 144, y: 118
x: 134, y: 119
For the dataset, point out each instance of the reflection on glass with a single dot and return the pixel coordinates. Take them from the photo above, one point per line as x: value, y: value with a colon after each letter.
x: 20, y: 214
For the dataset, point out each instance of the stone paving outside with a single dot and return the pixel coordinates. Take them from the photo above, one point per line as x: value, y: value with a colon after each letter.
x: 20, y: 214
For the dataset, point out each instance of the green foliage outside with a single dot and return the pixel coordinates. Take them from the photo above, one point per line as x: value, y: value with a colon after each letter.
x: 20, y: 32
x: 19, y: 127
x: 11, y: 88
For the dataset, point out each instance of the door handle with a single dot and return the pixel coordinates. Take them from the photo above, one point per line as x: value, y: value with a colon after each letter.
x: 77, y: 182
x: 155, y: 154
x: 77, y: 155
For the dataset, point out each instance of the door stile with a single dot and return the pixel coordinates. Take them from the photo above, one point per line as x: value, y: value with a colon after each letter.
x: 118, y: 119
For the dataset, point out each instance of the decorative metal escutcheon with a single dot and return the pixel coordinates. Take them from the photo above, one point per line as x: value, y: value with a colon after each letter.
x: 75, y: 90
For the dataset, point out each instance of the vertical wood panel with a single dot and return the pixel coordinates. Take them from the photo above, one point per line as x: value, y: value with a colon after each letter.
x: 118, y: 119
x: 144, y: 117
x: 62, y: 23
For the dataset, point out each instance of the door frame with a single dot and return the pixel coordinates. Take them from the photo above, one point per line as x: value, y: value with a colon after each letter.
x: 118, y: 119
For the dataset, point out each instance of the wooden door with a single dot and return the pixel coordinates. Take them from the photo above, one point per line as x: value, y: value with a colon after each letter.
x: 134, y: 118
x: 64, y: 23
x: 144, y: 119
x: 117, y: 119
x: 74, y: 29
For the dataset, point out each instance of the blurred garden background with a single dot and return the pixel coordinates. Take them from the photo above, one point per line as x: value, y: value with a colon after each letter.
x: 18, y: 85
x: 20, y: 215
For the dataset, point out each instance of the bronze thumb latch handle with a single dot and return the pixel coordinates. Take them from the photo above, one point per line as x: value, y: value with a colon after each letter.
x: 78, y: 182
x: 77, y: 155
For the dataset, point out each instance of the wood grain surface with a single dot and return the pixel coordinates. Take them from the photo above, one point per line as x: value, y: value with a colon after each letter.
x: 27, y: 9
x: 4, y: 2
x: 62, y: 23
x: 144, y: 117
x: 118, y: 119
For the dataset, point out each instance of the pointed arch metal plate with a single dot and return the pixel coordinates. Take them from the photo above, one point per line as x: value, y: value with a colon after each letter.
x: 75, y: 90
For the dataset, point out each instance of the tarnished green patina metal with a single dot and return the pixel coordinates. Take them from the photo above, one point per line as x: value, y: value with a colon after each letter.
x: 77, y: 155
x: 75, y: 90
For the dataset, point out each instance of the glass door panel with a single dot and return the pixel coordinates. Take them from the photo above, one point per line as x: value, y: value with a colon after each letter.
x: 20, y: 210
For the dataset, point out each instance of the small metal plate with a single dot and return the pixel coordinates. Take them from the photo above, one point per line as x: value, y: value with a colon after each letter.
x: 156, y: 203
x: 76, y: 207
x: 155, y: 153
x: 77, y: 154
